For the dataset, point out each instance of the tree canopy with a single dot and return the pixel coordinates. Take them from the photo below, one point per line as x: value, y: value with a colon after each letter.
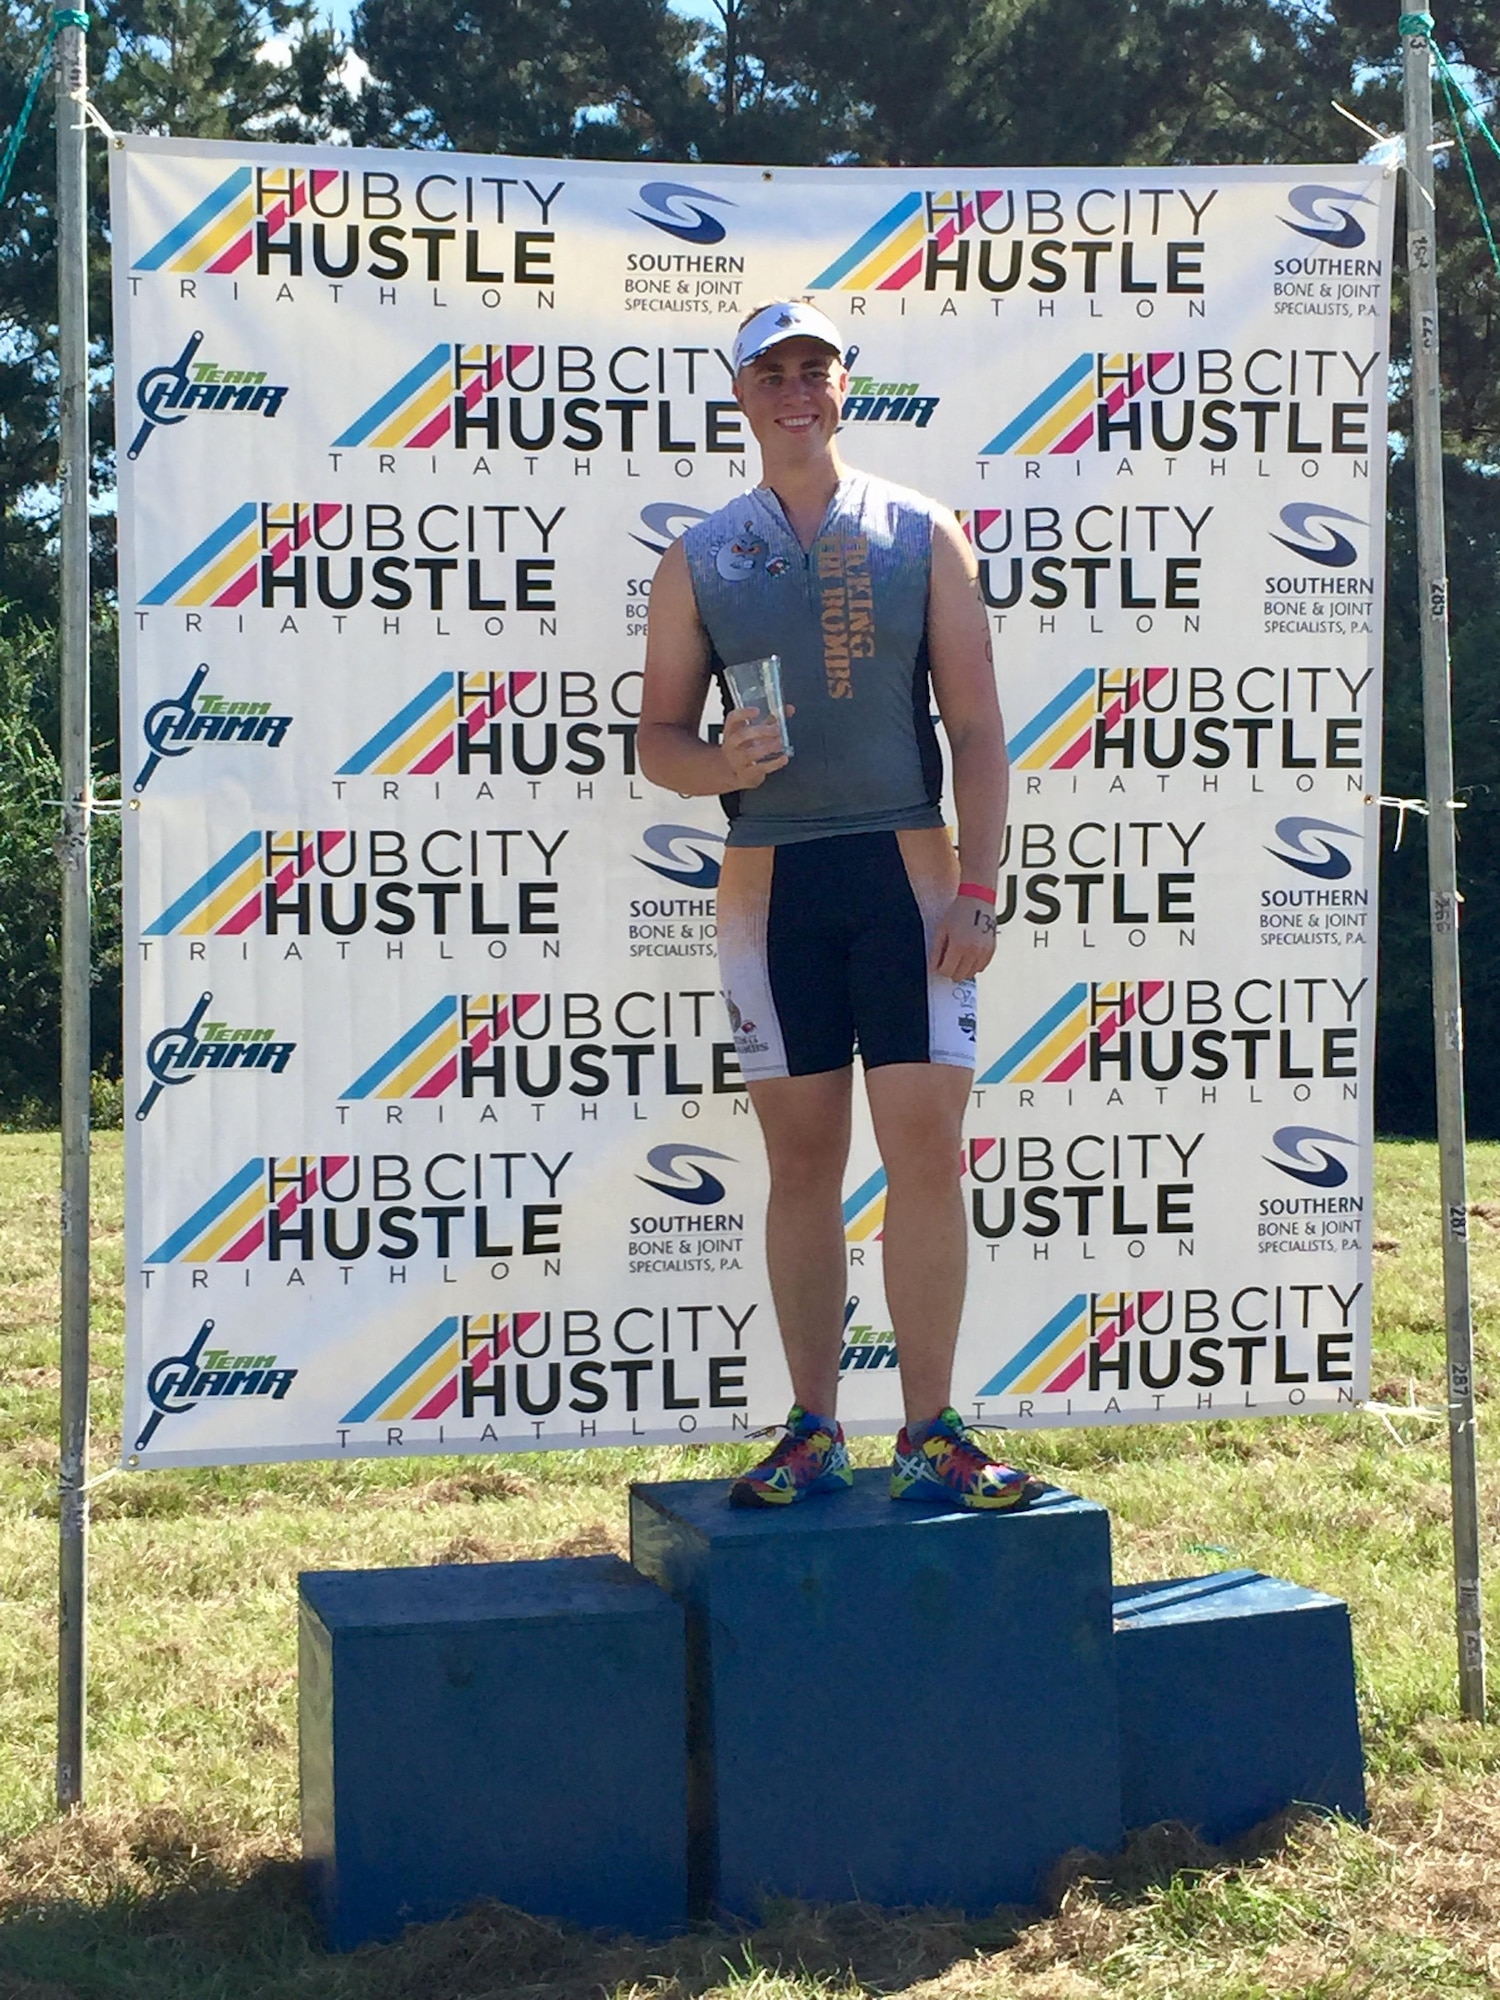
x: 908, y: 82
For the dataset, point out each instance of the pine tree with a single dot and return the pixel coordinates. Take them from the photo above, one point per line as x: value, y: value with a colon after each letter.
x: 607, y: 78
x: 185, y: 66
x: 991, y: 83
x: 193, y: 67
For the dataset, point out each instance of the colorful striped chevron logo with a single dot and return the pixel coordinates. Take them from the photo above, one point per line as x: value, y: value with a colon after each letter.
x: 1056, y: 1045
x: 892, y: 251
x: 231, y: 1224
x: 229, y: 898
x: 1064, y: 417
x: 219, y: 234
x: 423, y: 736
x: 417, y: 411
x: 1055, y: 1357
x: 864, y: 1210
x: 1060, y: 736
x: 225, y: 568
x: 427, y: 1059
x: 424, y: 1383
x: 976, y: 523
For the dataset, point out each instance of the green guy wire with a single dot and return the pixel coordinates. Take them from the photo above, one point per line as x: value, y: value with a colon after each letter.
x: 1463, y: 146
x: 63, y: 17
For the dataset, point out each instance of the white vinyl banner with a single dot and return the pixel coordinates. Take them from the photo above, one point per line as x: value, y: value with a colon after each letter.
x: 437, y: 1139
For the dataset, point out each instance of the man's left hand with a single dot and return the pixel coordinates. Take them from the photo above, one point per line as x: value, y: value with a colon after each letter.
x: 965, y: 940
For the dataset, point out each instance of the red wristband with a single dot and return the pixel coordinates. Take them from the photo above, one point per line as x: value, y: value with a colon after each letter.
x: 978, y: 892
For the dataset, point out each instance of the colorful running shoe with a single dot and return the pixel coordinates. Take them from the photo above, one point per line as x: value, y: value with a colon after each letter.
x: 948, y: 1464
x: 808, y: 1458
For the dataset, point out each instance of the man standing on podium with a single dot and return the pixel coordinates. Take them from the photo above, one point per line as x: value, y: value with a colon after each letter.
x: 845, y: 919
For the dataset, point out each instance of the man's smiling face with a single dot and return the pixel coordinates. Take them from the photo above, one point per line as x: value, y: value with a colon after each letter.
x: 793, y: 396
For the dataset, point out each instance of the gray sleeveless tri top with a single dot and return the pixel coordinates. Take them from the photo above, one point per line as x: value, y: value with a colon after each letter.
x: 849, y: 621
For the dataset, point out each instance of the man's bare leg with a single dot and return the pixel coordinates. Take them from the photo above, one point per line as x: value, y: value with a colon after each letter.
x: 805, y: 1122
x: 918, y: 1111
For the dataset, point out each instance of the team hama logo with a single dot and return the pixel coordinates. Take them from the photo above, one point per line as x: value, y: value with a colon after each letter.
x: 1326, y: 215
x: 437, y: 394
x: 170, y: 395
x: 865, y: 1346
x: 685, y: 1179
x: 1314, y: 845
x: 428, y: 1380
x: 1060, y: 736
x: 227, y: 565
x: 180, y: 723
x: 1064, y: 417
x: 179, y: 1382
x: 1056, y: 1045
x: 1306, y: 1160
x: 229, y: 898
x: 676, y: 208
x: 218, y: 235
x: 1053, y: 1360
x: 440, y: 723
x: 893, y: 250
x: 176, y: 1055
x: 1317, y: 540
x: 867, y: 400
x: 231, y: 1225
x: 686, y: 855
x: 443, y: 1048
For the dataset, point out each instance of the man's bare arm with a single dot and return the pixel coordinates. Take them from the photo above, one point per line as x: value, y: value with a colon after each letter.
x: 670, y: 750
x: 963, y: 681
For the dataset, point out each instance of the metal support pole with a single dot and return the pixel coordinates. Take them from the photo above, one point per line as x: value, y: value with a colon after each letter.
x: 1442, y: 866
x: 70, y: 74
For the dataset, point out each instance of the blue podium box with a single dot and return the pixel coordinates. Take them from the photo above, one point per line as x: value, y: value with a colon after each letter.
x: 506, y: 1730
x: 897, y: 1702
x: 1236, y: 1701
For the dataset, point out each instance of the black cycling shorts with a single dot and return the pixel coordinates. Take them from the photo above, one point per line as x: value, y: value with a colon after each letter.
x: 824, y: 949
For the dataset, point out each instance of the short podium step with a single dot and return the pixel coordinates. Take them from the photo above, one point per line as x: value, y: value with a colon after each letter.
x: 897, y: 1702
x: 1236, y: 1701
x: 506, y: 1730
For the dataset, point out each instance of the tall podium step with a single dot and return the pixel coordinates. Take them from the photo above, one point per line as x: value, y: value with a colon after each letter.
x: 506, y: 1730
x: 901, y: 1703
x: 1236, y: 1701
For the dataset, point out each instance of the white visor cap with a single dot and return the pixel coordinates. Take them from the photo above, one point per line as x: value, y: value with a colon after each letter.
x: 786, y: 321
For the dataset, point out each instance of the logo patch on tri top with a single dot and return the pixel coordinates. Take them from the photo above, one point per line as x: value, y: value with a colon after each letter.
x: 736, y: 560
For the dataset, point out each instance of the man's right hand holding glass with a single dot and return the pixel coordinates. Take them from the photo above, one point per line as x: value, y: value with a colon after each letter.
x: 751, y: 747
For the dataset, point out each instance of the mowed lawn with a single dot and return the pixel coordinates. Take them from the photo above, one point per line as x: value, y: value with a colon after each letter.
x: 179, y: 1878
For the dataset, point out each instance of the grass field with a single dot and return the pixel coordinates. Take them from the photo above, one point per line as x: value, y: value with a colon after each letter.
x: 179, y: 1880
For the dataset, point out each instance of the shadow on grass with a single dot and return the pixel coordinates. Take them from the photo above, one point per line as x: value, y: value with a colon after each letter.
x: 145, y: 1908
